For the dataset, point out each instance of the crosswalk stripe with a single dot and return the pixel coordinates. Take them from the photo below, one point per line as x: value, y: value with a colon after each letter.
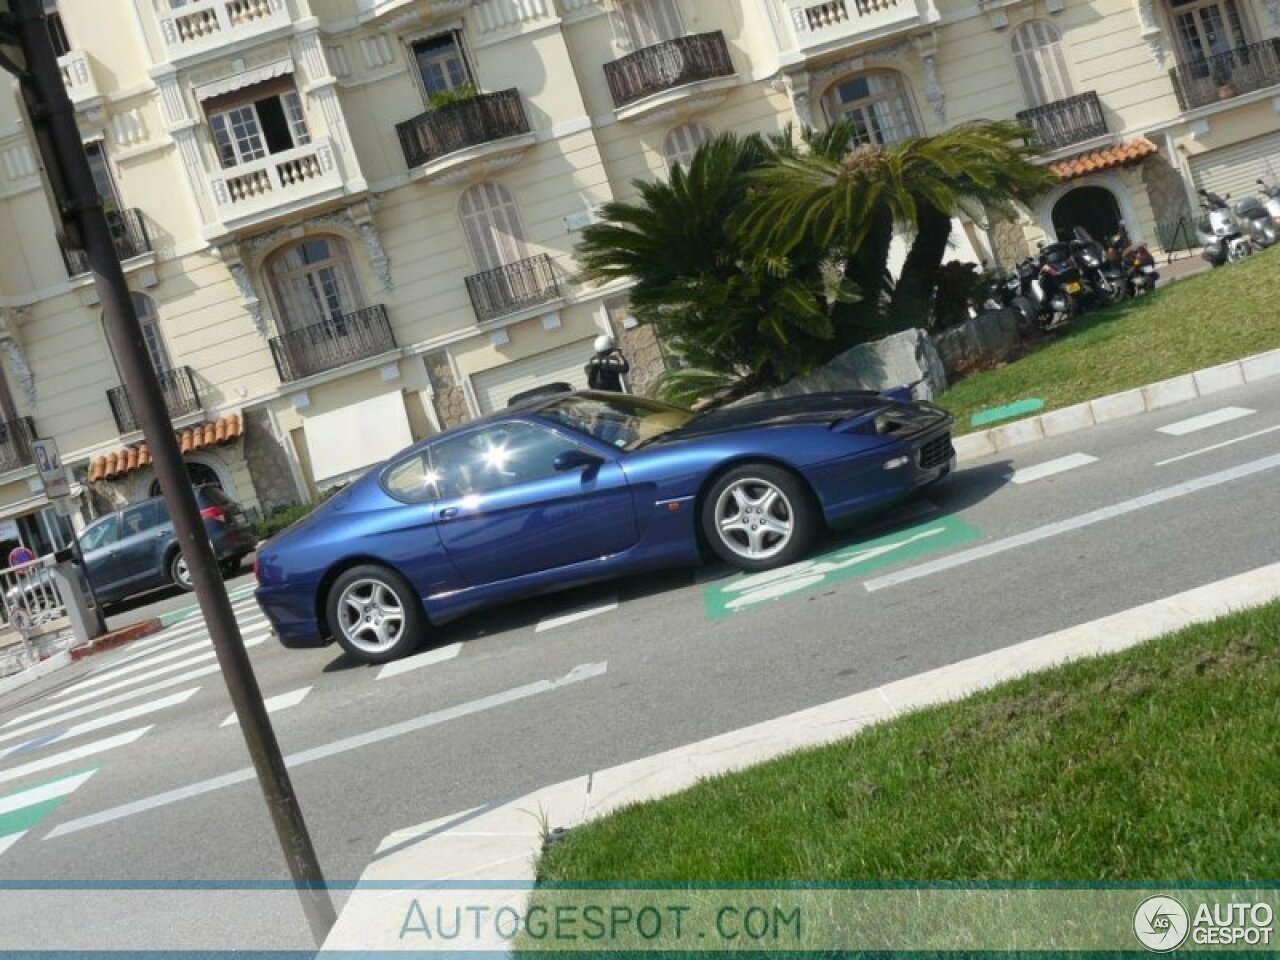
x: 275, y: 704
x: 439, y: 655
x: 1052, y: 468
x: 108, y: 720
x: 580, y: 613
x: 1205, y: 420
x: 76, y: 753
x: 52, y: 790
x: 10, y: 840
x: 115, y: 673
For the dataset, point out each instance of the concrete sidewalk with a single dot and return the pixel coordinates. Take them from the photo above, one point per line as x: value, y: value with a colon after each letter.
x: 487, y: 855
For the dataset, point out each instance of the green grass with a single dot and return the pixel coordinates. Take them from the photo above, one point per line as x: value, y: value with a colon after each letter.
x: 1156, y: 763
x: 1203, y: 320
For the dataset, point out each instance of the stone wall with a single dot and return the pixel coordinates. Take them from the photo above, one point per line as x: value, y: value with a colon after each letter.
x: 449, y: 399
x: 267, y: 462
x: 1168, y: 195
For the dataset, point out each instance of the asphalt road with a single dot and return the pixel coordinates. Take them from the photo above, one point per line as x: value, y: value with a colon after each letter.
x: 376, y: 750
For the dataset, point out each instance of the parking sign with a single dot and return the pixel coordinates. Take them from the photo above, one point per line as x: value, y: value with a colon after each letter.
x: 52, y: 474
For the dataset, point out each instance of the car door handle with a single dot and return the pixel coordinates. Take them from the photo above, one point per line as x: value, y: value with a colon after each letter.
x: 448, y: 513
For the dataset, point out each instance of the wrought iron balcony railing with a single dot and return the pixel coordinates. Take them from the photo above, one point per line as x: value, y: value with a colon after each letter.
x: 1226, y: 75
x: 666, y: 65
x: 181, y: 397
x: 128, y: 230
x: 1064, y: 122
x: 513, y: 287
x: 333, y: 343
x: 465, y: 123
x: 15, y: 443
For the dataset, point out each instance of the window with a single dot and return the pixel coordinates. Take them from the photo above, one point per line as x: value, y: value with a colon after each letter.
x: 492, y: 225
x: 143, y: 517
x: 57, y: 32
x: 1041, y: 63
x: 1206, y: 28
x: 412, y: 480
x: 683, y: 142
x: 249, y: 130
x: 102, y: 179
x: 651, y: 21
x: 313, y: 282
x: 495, y: 457
x: 145, y: 308
x: 441, y: 64
x: 101, y: 534
x: 877, y: 103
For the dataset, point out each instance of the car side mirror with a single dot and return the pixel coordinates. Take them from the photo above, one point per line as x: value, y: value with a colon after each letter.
x: 575, y: 459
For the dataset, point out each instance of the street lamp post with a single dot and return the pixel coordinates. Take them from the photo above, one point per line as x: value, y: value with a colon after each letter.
x: 27, y: 52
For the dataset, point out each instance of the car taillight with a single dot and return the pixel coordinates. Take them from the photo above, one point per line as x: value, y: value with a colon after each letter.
x: 214, y: 513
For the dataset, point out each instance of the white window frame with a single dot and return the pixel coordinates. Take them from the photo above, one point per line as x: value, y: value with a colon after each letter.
x: 317, y: 293
x: 650, y: 22
x: 491, y: 223
x: 450, y: 82
x: 1041, y: 63
x: 890, y: 107
x: 1235, y: 20
x: 240, y: 129
x: 683, y: 141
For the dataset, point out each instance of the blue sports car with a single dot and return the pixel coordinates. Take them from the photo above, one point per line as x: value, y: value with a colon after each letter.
x: 562, y: 490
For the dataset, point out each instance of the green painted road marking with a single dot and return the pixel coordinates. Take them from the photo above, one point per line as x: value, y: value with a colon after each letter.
x: 743, y: 592
x: 173, y: 616
x: 21, y: 811
x: 1007, y: 412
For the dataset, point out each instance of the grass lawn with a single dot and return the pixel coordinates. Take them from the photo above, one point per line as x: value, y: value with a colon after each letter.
x: 1207, y: 319
x: 1156, y: 763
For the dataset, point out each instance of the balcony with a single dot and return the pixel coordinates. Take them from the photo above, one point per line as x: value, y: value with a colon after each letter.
x: 1064, y: 122
x: 78, y: 78
x: 276, y: 184
x: 821, y: 27
x: 128, y: 230
x: 1226, y: 75
x: 358, y: 335
x: 667, y: 66
x: 15, y: 444
x: 513, y: 287
x: 180, y: 398
x: 204, y: 25
x: 487, y: 128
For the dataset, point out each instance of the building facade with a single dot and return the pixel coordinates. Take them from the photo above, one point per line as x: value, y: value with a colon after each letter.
x: 348, y: 224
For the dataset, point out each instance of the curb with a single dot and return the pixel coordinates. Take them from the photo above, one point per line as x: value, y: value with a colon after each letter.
x: 1118, y: 406
x: 117, y: 638
x: 41, y: 669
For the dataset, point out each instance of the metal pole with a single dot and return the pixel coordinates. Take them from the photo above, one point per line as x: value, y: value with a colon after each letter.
x: 125, y: 336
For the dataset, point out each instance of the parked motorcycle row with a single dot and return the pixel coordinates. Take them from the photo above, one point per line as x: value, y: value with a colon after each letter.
x: 1068, y: 277
x: 1231, y: 233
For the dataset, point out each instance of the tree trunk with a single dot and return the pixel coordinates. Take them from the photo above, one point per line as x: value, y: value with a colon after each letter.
x: 867, y: 267
x: 913, y: 294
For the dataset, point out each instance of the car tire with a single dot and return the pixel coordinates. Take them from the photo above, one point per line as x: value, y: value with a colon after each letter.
x: 374, y: 614
x: 178, y: 572
x: 758, y: 516
x: 231, y: 566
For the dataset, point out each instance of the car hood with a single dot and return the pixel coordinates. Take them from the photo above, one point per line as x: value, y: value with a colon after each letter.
x: 812, y: 408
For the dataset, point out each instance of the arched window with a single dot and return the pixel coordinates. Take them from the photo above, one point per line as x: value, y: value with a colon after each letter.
x: 683, y: 142
x: 145, y: 309
x: 1041, y: 63
x: 651, y: 21
x: 492, y: 225
x: 312, y: 281
x: 877, y: 102
x: 1207, y: 28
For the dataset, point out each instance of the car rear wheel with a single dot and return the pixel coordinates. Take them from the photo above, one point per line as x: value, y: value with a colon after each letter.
x: 758, y: 516
x: 179, y: 573
x: 375, y: 614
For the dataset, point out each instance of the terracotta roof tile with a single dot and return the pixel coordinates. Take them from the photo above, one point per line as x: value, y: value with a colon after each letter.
x: 1104, y: 158
x: 119, y: 463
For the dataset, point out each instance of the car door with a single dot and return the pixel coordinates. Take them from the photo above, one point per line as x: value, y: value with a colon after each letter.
x: 145, y: 532
x: 505, y: 510
x: 98, y: 545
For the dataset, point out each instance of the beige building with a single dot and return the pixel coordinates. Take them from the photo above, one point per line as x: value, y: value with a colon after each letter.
x: 348, y: 224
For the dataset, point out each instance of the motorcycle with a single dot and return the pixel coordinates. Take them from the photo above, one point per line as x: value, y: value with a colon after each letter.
x: 1044, y: 291
x: 1271, y: 199
x: 1104, y: 280
x: 1135, y: 260
x: 1223, y: 241
x: 1258, y: 223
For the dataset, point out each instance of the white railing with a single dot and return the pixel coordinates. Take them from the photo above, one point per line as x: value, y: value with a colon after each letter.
x: 29, y: 597
x: 204, y: 24
x: 77, y: 76
x: 815, y: 24
x: 263, y: 186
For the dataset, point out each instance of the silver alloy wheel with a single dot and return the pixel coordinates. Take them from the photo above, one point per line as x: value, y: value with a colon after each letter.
x: 754, y: 518
x: 370, y: 615
x: 181, y: 573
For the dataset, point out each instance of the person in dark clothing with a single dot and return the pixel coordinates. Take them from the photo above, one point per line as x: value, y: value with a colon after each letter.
x: 605, y: 369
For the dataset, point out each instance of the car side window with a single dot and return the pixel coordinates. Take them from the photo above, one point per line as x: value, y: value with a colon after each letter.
x: 500, y: 455
x: 101, y: 534
x: 141, y: 517
x: 412, y: 479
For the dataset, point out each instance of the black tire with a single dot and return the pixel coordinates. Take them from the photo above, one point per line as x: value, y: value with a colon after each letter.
x: 178, y: 572
x: 758, y: 516
x: 231, y: 566
x: 375, y: 614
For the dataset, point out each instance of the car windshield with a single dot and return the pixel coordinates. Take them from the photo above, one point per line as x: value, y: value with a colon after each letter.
x: 618, y: 420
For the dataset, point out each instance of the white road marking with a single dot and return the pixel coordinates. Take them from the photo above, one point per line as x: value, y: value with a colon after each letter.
x: 77, y: 753
x: 1052, y: 467
x: 439, y: 655
x: 1205, y: 421
x: 10, y: 840
x: 115, y: 673
x: 579, y: 613
x: 1218, y: 446
x: 71, y: 714
x: 109, y: 720
x: 44, y: 792
x: 580, y: 673
x: 1072, y: 523
x: 274, y: 704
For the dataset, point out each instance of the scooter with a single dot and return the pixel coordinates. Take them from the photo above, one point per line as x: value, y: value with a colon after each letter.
x: 1257, y: 222
x: 1223, y: 241
x: 1135, y: 260
x: 1105, y: 280
x: 1271, y: 199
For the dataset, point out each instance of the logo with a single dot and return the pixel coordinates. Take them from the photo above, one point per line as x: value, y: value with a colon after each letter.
x: 1161, y: 923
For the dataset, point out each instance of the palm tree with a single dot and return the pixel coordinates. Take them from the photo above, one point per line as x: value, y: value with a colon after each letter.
x: 850, y: 203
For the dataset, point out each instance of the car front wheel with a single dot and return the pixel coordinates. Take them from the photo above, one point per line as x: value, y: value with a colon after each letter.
x: 758, y: 516
x: 375, y: 614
